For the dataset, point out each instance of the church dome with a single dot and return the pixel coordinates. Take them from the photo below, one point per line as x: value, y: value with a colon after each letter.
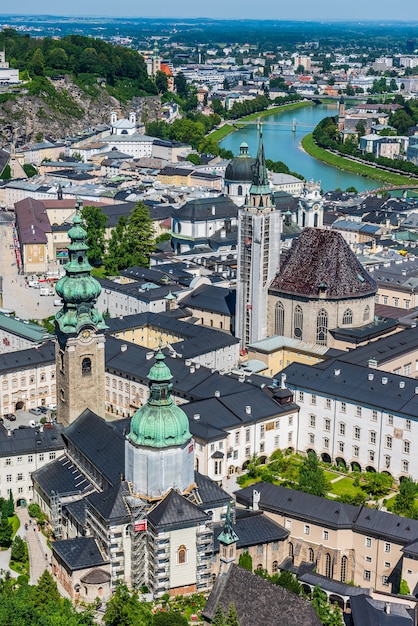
x: 240, y: 169
x: 160, y: 423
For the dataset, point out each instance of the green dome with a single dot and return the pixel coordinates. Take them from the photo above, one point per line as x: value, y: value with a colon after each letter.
x: 240, y: 169
x: 159, y: 423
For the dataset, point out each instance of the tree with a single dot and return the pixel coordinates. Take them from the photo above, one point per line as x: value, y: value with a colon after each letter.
x: 140, y: 235
x: 217, y: 106
x: 161, y: 81
x: 288, y: 581
x: 10, y: 505
x: 180, y: 84
x: 361, y: 127
x: 226, y: 84
x: 171, y: 618
x: 194, y: 158
x: 377, y: 484
x: 19, y: 550
x: 405, y: 498
x: 404, y: 588
x: 6, y: 532
x: 117, y: 256
x: 95, y: 222
x: 300, y: 69
x: 232, y: 617
x: 219, y: 617
x: 125, y: 609
x: 38, y: 62
x: 330, y: 615
x: 312, y: 477
x: 46, y: 590
x: 245, y: 561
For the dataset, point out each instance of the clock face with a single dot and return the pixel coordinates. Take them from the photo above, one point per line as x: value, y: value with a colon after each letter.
x: 316, y: 206
x: 86, y: 334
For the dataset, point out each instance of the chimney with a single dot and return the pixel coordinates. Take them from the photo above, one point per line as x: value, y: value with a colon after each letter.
x: 372, y: 363
x: 192, y: 369
x: 384, y: 380
x: 248, y: 410
x: 123, y: 347
x: 256, y: 499
x: 387, y: 608
x: 401, y: 384
x: 337, y: 372
x: 217, y: 394
x: 196, y: 416
x: 283, y: 381
x: 370, y: 376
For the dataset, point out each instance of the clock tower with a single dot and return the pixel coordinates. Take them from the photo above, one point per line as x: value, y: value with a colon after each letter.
x: 79, y: 329
x: 310, y: 208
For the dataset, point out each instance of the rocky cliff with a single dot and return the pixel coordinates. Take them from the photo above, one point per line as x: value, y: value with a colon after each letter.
x: 63, y: 111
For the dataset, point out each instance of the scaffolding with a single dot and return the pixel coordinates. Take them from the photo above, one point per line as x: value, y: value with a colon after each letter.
x: 56, y: 502
x: 138, y: 508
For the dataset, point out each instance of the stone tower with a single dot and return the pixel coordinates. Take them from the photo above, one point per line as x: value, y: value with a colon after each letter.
x: 341, y: 114
x: 311, y: 206
x: 259, y: 229
x: 159, y: 451
x: 228, y: 544
x: 79, y: 329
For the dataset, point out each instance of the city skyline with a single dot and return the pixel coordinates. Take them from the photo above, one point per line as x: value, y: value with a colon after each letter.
x: 323, y: 10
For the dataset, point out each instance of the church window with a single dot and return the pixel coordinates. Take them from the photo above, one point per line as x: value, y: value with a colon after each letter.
x: 311, y: 556
x: 328, y: 568
x: 182, y: 555
x: 322, y: 328
x: 298, y: 323
x: 291, y: 551
x: 86, y: 367
x: 348, y: 317
x: 274, y: 567
x: 343, y: 575
x: 366, y: 314
x: 239, y: 190
x: 279, y: 319
x: 316, y: 220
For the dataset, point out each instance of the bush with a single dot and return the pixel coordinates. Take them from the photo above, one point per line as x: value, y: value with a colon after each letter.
x: 22, y: 579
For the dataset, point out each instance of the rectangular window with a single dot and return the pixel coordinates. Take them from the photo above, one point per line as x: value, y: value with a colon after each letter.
x: 356, y: 432
x: 262, y: 431
x: 390, y: 420
x: 407, y: 369
x: 41, y: 456
x: 368, y: 542
x: 235, y: 454
x: 312, y: 421
x: 342, y: 429
x: 19, y: 459
x: 9, y: 478
x: 385, y: 580
x: 325, y: 535
x: 371, y: 455
x: 387, y: 547
x: 395, y: 301
x: 372, y: 436
x: 30, y: 458
x: 247, y: 435
x: 262, y: 445
x: 290, y: 420
x: 368, y: 559
x: 300, y: 396
x: 358, y: 411
x: 326, y: 442
x: 247, y: 452
x: 385, y: 299
x: 8, y: 461
x: 307, y: 529
x: 212, y: 447
x: 276, y: 441
x: 260, y: 549
x: 367, y: 574
x: 406, y: 447
x: 387, y: 564
x: 288, y: 524
x: 311, y: 439
x: 277, y: 424
x: 327, y: 403
x: 237, y: 438
x: 19, y: 477
x: 289, y: 437
x: 343, y: 407
x: 405, y: 466
x: 356, y: 451
x: 341, y: 446
x: 407, y: 424
x: 374, y: 416
x: 327, y: 424
x: 388, y: 441
x: 313, y: 399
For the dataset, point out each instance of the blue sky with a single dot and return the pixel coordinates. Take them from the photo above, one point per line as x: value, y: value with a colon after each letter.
x: 230, y: 9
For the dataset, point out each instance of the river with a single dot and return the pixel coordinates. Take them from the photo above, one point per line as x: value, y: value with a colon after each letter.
x: 281, y: 144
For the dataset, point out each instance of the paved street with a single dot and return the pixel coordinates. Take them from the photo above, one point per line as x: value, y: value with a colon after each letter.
x: 25, y: 301
x: 39, y: 552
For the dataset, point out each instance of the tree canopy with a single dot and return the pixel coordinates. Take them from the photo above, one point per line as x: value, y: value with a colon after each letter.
x: 312, y: 477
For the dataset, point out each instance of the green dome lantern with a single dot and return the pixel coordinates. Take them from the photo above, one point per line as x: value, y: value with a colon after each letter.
x: 160, y: 423
x: 78, y: 289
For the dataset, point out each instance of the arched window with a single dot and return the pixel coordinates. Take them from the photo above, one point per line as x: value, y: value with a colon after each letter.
x: 86, y: 366
x: 274, y: 566
x: 347, y: 317
x: 196, y: 464
x: 322, y: 328
x: 291, y: 551
x: 303, y: 220
x: 239, y: 190
x: 328, y: 565
x: 366, y: 313
x: 279, y: 319
x: 181, y: 555
x: 315, y: 222
x: 259, y: 567
x: 343, y: 576
x: 311, y: 556
x: 298, y: 323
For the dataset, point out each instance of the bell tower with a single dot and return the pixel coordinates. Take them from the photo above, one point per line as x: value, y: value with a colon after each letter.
x: 227, y: 544
x: 79, y: 330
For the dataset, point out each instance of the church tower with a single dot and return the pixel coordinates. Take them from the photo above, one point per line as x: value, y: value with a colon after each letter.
x: 259, y: 229
x: 159, y: 451
x: 310, y: 210
x: 79, y: 329
x: 227, y: 544
x: 341, y: 114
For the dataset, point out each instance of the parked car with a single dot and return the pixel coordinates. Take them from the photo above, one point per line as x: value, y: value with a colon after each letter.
x: 43, y: 409
x: 10, y: 416
x: 35, y: 411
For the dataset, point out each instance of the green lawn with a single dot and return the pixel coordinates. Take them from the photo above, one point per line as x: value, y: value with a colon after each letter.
x: 15, y: 522
x: 220, y: 133
x: 343, y: 487
x: 390, y: 502
x: 330, y: 475
x: 342, y: 163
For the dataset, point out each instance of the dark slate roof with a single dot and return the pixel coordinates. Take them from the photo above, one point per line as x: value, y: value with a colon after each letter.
x: 322, y: 257
x: 27, y: 440
x: 357, y: 384
x: 383, y: 524
x: 210, y: 493
x: 331, y: 585
x: 79, y: 553
x: 252, y: 528
x: 95, y: 577
x: 61, y: 476
x: 101, y: 442
x: 257, y: 601
x: 411, y: 549
x: 30, y: 358
x: 176, y: 511
x: 300, y: 505
x: 211, y: 298
x: 77, y: 511
x: 384, y: 349
x: 366, y: 611
x: 200, y: 209
x: 110, y: 504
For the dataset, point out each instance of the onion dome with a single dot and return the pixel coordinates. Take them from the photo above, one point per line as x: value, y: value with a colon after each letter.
x: 160, y: 423
x: 78, y: 289
x: 240, y: 169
